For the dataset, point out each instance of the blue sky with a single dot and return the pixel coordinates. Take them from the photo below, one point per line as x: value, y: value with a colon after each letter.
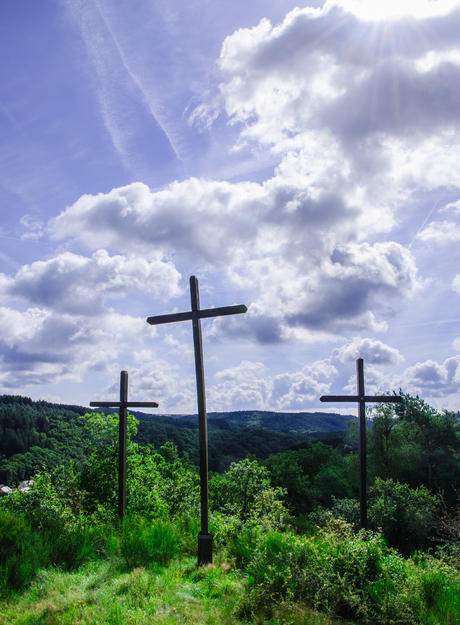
x: 301, y: 159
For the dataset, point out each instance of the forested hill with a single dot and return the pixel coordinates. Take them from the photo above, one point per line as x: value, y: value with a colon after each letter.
x: 286, y: 422
x: 37, y: 433
x: 34, y: 434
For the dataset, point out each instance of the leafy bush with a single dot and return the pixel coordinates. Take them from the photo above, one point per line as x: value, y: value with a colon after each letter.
x: 22, y: 551
x: 55, y: 523
x: 349, y: 575
x: 158, y: 484
x: 312, y: 476
x: 241, y: 545
x: 245, y: 496
x: 53, y: 501
x: 404, y: 515
x: 447, y: 531
x: 188, y: 528
x: 347, y: 509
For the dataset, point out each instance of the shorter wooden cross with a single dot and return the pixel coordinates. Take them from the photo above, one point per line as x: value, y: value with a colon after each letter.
x: 123, y: 406
x: 361, y: 399
x: 195, y: 315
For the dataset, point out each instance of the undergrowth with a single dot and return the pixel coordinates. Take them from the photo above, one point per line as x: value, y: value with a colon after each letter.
x: 350, y: 575
x: 65, y: 557
x: 147, y: 569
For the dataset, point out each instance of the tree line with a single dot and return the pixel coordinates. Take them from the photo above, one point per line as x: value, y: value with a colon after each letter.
x: 409, y: 442
x: 38, y: 434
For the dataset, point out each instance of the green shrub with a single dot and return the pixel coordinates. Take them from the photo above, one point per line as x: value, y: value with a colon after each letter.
x: 404, y: 515
x: 22, y: 552
x: 75, y: 545
x: 144, y: 542
x: 337, y: 572
x: 347, y: 509
x: 348, y: 575
x: 188, y: 528
x: 158, y: 484
x: 241, y: 546
x: 435, y: 586
x: 53, y: 502
x: 246, y: 498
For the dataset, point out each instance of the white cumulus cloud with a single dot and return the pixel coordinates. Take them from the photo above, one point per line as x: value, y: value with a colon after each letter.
x: 432, y: 378
x: 73, y: 284
x: 295, y: 252
x: 243, y: 371
x: 39, y: 346
x: 372, y: 351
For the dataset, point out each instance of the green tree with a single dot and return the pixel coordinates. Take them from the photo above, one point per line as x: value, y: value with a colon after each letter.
x: 313, y: 475
x: 439, y: 437
x: 158, y: 484
x: 286, y: 472
x: 404, y: 515
x: 245, y: 492
x: 393, y: 451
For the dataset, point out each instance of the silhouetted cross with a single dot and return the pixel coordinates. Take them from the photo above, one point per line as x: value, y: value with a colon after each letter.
x: 195, y: 315
x: 122, y: 405
x: 361, y: 399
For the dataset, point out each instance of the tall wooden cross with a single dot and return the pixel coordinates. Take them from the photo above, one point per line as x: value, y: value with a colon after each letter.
x: 361, y: 399
x: 123, y: 406
x: 195, y: 315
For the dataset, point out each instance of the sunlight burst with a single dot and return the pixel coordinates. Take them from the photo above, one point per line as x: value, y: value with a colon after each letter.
x: 391, y: 9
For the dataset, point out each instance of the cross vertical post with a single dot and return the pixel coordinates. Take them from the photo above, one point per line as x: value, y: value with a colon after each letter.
x: 122, y: 436
x: 122, y: 406
x: 195, y: 315
x: 362, y: 443
x: 204, y: 537
x: 361, y: 398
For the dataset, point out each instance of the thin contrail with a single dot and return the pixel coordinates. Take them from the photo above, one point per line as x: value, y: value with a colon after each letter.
x: 421, y: 227
x: 137, y: 80
x: 429, y: 323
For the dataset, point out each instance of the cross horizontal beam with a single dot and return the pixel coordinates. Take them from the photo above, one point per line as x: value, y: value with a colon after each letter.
x: 197, y: 314
x: 127, y: 404
x: 395, y: 399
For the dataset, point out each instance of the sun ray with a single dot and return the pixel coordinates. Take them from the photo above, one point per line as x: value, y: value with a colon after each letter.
x: 391, y: 9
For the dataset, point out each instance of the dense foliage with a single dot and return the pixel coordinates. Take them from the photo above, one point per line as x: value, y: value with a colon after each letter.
x: 37, y: 434
x: 351, y: 575
x: 286, y: 526
x: 224, y: 445
x: 313, y: 475
x: 34, y: 435
x: 416, y: 444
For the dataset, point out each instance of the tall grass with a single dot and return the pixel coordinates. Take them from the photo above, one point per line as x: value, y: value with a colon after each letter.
x: 146, y: 569
x: 134, y: 577
x: 179, y: 593
x: 22, y: 552
x: 143, y: 543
